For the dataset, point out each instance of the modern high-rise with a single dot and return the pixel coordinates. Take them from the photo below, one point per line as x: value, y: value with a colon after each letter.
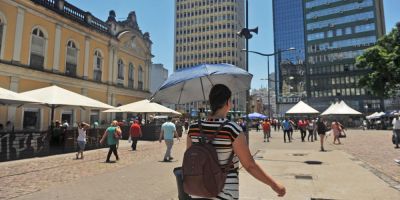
x: 206, y: 32
x: 336, y: 32
x: 290, y: 70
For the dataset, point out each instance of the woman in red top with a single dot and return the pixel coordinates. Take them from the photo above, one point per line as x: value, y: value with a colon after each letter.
x: 266, y: 125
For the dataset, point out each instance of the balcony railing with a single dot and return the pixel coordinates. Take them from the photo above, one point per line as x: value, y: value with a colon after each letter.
x: 74, y: 13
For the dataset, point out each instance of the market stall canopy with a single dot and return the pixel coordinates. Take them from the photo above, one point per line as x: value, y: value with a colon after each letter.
x: 302, y: 108
x: 375, y: 115
x: 340, y: 109
x: 8, y: 97
x: 57, y: 96
x: 256, y: 115
x: 144, y: 106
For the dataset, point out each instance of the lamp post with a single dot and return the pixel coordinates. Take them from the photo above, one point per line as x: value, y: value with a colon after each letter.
x: 246, y: 33
x: 268, y: 80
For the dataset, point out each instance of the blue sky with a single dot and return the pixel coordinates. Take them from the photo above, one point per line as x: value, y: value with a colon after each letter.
x: 157, y: 18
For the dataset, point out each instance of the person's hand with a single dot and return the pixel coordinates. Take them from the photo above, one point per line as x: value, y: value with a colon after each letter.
x: 279, y: 189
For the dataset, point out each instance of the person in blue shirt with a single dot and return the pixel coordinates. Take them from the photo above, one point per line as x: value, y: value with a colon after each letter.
x: 168, y: 131
x: 286, y: 126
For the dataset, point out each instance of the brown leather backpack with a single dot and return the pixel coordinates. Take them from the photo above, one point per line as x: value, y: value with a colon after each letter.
x: 202, y: 174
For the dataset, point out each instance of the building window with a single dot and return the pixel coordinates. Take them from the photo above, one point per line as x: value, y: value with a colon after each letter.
x: 98, y: 64
x: 140, y: 78
x: 31, y: 119
x: 120, y: 69
x: 72, y: 58
x: 37, y: 49
x: 131, y: 76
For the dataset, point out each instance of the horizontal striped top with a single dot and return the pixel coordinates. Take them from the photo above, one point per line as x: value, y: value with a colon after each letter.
x: 223, y: 145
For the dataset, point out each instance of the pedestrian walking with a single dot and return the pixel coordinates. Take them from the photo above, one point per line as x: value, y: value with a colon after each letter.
x: 336, y: 129
x: 168, y: 131
x: 229, y: 142
x: 292, y: 127
x: 310, y: 129
x: 257, y: 126
x: 302, y: 125
x: 321, y: 130
x: 286, y: 127
x: 396, y: 130
x: 135, y: 132
x: 266, y: 125
x: 82, y: 127
x: 110, y: 136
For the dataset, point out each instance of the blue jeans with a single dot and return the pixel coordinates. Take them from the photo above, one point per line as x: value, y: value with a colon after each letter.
x: 397, y: 136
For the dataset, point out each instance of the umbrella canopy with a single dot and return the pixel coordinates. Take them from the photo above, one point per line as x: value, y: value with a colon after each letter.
x: 256, y: 115
x: 340, y: 109
x: 194, y: 84
x: 56, y: 96
x: 8, y: 97
x: 302, y: 108
x: 144, y: 106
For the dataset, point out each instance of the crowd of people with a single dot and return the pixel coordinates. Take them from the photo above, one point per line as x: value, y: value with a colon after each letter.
x: 313, y: 127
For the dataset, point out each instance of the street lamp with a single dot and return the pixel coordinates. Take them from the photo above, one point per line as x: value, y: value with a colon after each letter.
x: 268, y: 80
x: 246, y: 33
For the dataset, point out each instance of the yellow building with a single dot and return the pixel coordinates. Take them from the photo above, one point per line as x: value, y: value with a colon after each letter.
x: 51, y: 42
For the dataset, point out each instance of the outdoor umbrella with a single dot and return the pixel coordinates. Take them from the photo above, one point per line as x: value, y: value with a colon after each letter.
x: 144, y: 106
x: 8, y: 97
x: 256, y: 115
x: 54, y: 97
x: 194, y: 84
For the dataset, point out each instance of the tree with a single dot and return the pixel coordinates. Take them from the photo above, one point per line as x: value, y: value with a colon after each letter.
x: 383, y: 60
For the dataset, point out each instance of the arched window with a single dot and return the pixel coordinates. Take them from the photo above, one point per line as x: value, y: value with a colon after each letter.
x: 37, y: 49
x: 97, y: 65
x: 131, y: 73
x: 71, y: 59
x: 140, y: 78
x: 120, y: 69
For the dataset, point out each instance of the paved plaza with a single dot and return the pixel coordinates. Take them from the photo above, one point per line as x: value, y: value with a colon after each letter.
x: 361, y: 168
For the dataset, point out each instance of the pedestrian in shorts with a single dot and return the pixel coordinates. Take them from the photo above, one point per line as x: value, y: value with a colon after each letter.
x: 82, y: 127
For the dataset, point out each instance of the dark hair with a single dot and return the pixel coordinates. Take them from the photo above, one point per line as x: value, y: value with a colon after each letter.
x: 218, y: 97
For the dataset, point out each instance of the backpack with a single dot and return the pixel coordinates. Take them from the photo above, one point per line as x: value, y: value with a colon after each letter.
x: 202, y: 174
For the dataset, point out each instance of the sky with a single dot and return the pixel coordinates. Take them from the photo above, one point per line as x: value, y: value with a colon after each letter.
x: 157, y: 18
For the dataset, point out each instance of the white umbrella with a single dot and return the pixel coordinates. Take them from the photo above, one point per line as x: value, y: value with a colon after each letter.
x: 54, y: 97
x: 144, y: 106
x: 8, y: 97
x: 302, y: 108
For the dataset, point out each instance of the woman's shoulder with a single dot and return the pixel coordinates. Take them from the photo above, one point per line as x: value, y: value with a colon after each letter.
x: 233, y: 126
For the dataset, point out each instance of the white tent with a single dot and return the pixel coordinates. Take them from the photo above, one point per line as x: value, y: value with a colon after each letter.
x: 8, y: 97
x: 54, y: 97
x: 302, y: 108
x: 144, y: 106
x: 375, y: 115
x: 340, y: 109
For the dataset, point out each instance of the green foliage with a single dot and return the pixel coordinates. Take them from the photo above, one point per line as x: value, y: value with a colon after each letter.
x: 383, y: 60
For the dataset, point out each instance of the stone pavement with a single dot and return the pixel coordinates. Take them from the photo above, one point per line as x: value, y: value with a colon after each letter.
x: 141, y: 175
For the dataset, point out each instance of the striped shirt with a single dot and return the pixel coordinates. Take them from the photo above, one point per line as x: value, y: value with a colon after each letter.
x: 223, y: 145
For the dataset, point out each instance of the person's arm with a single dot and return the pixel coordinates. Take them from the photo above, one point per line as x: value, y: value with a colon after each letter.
x: 176, y: 135
x: 246, y: 159
x: 104, y: 137
x: 86, y: 126
x: 140, y: 131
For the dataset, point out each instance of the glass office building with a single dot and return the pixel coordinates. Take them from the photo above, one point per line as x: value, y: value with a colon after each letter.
x: 336, y: 32
x: 289, y: 32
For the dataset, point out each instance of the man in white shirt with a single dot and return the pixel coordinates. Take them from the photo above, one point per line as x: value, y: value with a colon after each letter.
x: 396, y: 130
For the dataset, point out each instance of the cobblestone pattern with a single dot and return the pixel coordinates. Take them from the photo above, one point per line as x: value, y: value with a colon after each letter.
x: 18, y: 178
x: 373, y: 147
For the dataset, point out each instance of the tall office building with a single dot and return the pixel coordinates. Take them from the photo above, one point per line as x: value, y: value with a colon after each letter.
x: 336, y: 32
x: 290, y: 72
x: 206, y: 32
